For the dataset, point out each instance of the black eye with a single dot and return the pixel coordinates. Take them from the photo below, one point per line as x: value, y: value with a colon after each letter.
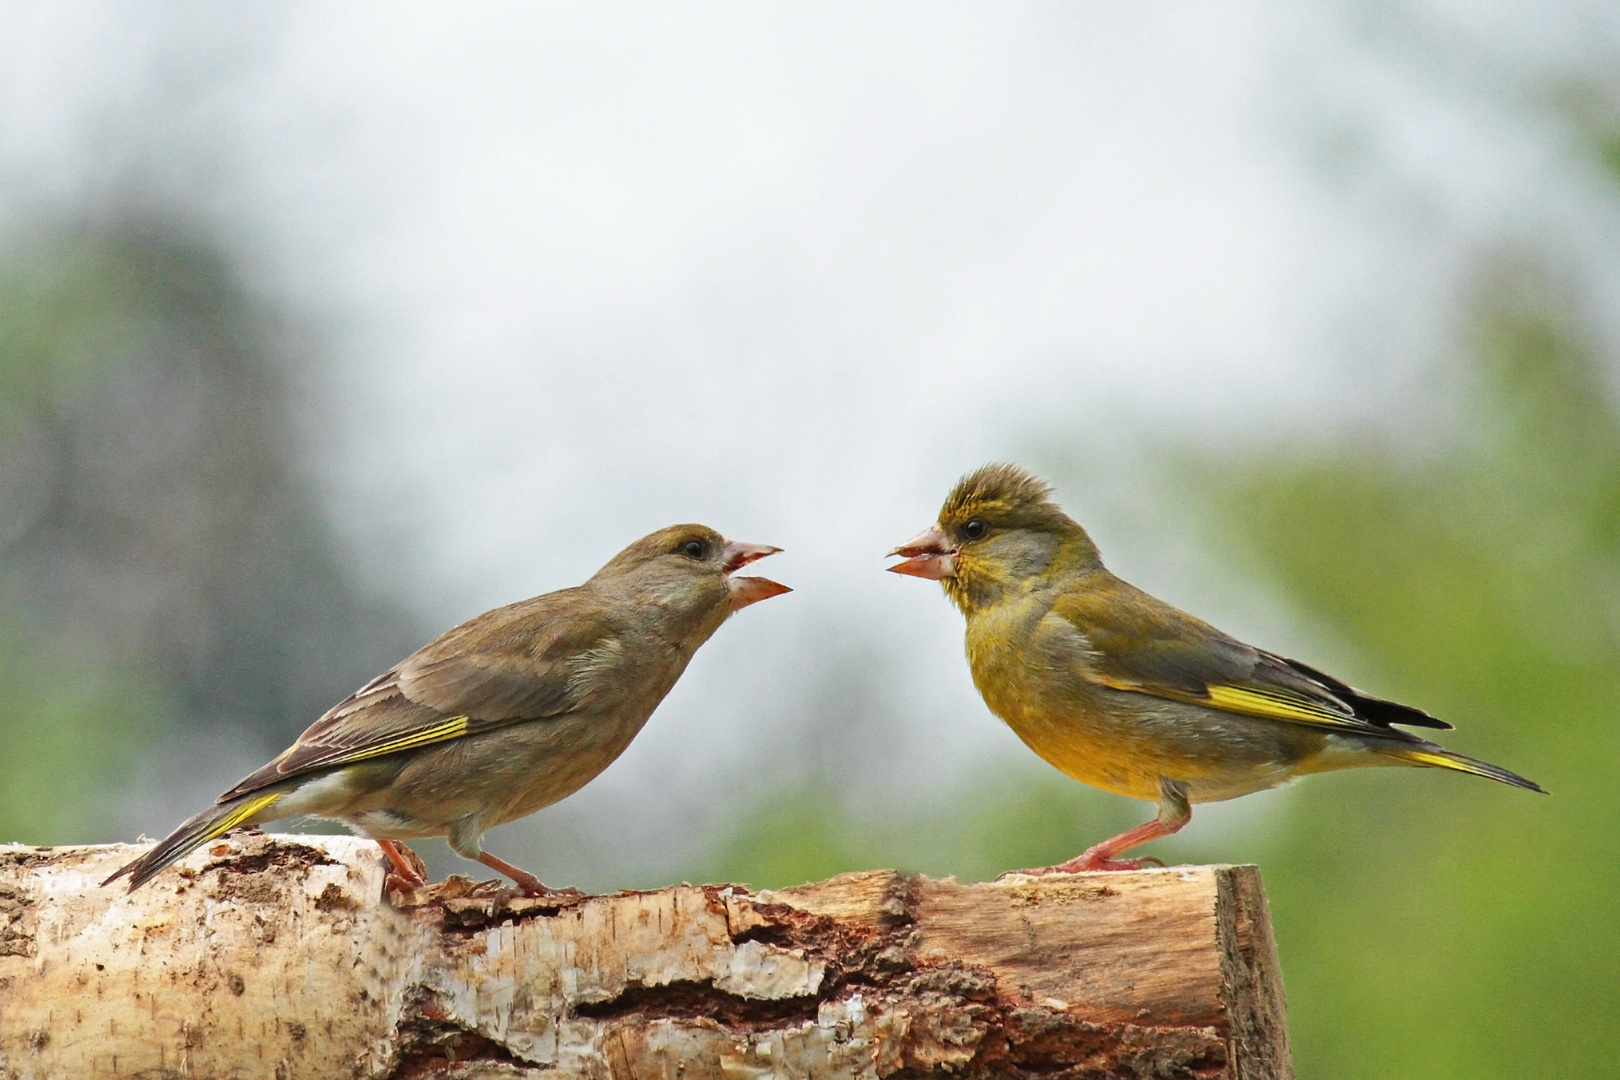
x: 975, y: 529
x: 694, y: 549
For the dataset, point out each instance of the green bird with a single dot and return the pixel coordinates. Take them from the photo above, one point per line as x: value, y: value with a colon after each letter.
x: 501, y: 716
x: 1124, y: 692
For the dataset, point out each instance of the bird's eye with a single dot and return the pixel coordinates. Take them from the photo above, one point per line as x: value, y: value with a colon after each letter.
x: 975, y: 529
x: 694, y: 549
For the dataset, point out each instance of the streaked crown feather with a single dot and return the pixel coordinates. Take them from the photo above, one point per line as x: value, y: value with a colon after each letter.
x: 998, y: 489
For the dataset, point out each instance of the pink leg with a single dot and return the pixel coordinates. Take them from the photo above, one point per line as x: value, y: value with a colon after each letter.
x: 1101, y: 856
x: 1174, y: 812
x: 527, y: 882
x: 404, y: 868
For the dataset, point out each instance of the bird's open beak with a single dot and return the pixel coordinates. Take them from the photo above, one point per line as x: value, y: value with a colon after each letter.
x: 748, y: 590
x: 928, y: 555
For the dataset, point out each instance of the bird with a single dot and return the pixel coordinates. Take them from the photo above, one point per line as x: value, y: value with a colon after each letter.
x: 500, y: 716
x: 1124, y: 692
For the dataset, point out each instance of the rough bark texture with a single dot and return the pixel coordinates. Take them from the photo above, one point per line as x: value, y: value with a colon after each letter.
x: 283, y: 957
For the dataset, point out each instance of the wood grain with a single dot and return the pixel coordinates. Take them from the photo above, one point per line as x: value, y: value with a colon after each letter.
x: 282, y: 957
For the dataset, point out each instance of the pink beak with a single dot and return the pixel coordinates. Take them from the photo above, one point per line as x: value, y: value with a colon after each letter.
x: 928, y: 555
x: 748, y: 590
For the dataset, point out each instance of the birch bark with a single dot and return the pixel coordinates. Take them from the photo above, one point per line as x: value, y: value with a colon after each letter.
x: 281, y: 956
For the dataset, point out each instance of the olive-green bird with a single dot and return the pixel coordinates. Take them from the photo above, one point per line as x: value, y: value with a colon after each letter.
x: 1126, y: 693
x: 501, y: 716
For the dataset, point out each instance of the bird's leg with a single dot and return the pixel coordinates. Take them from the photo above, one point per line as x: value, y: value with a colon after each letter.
x: 526, y: 882
x: 1101, y: 856
x: 407, y: 866
x: 466, y: 839
x: 1174, y: 812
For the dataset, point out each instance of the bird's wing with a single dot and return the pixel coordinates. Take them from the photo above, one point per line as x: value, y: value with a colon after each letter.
x: 1141, y: 644
x: 524, y: 669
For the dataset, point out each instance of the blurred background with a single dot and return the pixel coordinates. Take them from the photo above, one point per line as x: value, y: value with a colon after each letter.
x: 324, y: 328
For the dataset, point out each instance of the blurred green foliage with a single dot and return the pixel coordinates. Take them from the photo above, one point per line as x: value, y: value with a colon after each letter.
x: 1431, y: 927
x: 68, y: 726
x: 167, y: 564
x: 68, y: 714
x: 67, y: 316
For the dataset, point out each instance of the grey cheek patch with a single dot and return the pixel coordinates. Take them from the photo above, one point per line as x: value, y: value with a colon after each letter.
x: 1025, y: 553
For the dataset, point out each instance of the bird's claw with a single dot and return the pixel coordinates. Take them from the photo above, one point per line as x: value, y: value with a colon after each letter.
x: 532, y: 888
x: 1124, y: 864
x: 399, y: 883
x: 406, y: 870
x: 1040, y: 871
x: 568, y: 894
x: 1084, y: 865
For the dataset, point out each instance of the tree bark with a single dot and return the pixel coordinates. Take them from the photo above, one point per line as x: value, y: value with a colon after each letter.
x: 281, y: 956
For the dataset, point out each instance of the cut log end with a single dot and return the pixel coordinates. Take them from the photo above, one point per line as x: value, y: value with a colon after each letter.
x: 282, y: 956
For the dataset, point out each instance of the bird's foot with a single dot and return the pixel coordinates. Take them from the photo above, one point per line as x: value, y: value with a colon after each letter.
x: 566, y: 897
x: 1089, y: 862
x: 396, y: 884
x: 1101, y: 856
x: 527, y: 883
x: 530, y: 886
x: 1114, y: 864
x: 407, y: 872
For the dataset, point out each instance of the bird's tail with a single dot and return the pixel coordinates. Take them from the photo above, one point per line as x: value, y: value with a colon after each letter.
x: 212, y: 822
x: 1441, y: 758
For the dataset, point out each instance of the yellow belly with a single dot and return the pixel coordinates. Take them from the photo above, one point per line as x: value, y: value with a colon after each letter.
x: 1036, y: 679
x: 1129, y: 743
x: 1123, y: 766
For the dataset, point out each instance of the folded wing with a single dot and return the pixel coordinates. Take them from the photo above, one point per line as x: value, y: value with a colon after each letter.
x: 523, y: 669
x: 1143, y: 645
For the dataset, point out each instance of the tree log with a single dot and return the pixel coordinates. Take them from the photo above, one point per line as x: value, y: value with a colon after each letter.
x: 284, y: 957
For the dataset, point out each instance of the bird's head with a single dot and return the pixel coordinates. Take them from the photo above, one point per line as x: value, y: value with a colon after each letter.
x: 998, y: 533
x: 689, y: 571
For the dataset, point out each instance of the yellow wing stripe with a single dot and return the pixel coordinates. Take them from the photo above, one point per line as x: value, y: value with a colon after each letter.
x: 1254, y: 701
x: 453, y: 728
x: 1281, y: 706
x: 239, y: 815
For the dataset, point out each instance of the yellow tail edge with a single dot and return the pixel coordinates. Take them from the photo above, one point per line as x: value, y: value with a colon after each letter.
x: 241, y: 814
x: 1445, y: 759
x: 194, y: 833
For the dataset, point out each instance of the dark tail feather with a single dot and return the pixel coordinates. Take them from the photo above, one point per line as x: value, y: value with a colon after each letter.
x: 1429, y: 754
x: 212, y: 822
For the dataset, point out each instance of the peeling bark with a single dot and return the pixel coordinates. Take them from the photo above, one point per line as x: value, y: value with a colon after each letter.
x: 283, y: 957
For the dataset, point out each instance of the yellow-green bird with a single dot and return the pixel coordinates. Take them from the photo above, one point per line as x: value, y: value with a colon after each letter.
x: 501, y: 716
x: 1126, y: 693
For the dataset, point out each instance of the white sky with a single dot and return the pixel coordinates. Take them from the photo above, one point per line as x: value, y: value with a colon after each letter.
x: 789, y: 270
